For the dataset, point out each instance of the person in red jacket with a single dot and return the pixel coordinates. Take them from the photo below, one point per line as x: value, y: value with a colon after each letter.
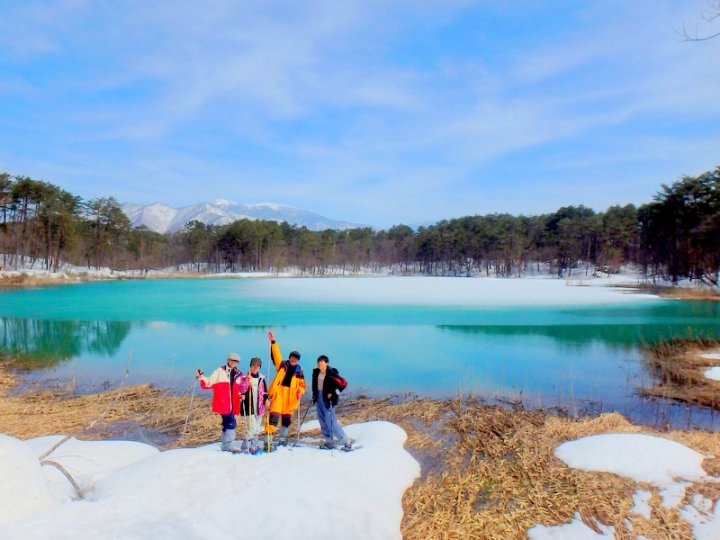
x: 225, y: 384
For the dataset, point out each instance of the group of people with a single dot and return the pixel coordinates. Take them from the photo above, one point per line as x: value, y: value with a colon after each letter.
x: 263, y: 408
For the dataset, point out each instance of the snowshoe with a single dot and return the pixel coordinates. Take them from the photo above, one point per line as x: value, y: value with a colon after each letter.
x: 350, y: 448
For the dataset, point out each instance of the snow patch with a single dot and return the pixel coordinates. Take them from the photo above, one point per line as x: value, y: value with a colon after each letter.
x: 644, y: 458
x: 189, y: 493
x: 673, y: 495
x: 575, y: 530
x: 713, y: 373
x: 705, y: 522
x: 641, y: 500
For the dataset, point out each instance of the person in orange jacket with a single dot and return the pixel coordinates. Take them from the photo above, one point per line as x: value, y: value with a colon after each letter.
x: 286, y: 390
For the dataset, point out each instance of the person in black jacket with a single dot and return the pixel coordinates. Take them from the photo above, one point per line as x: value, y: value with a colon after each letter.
x: 326, y: 386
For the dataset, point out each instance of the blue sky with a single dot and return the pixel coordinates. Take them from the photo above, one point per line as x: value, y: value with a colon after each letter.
x: 368, y: 111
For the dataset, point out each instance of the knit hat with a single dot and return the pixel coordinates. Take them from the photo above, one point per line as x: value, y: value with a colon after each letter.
x: 234, y: 356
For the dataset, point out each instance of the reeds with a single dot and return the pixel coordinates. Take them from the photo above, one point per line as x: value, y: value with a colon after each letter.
x: 680, y: 367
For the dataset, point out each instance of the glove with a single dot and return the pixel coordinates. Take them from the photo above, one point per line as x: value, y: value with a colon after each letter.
x: 270, y: 336
x: 198, y: 374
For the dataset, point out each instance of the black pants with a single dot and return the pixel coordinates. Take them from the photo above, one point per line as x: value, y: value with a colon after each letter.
x: 228, y: 421
x: 275, y: 418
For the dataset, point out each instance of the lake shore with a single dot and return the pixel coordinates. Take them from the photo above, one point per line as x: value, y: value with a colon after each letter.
x: 487, y: 471
x: 40, y: 278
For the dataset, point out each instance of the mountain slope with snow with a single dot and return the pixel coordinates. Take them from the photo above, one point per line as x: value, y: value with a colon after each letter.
x: 165, y: 219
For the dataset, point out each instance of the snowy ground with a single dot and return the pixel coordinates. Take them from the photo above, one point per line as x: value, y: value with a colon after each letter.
x: 134, y: 491
x: 714, y: 372
x: 666, y: 464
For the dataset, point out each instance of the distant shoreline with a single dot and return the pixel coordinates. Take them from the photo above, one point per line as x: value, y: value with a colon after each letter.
x: 39, y: 278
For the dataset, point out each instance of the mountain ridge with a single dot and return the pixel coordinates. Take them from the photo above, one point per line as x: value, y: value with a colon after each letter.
x: 164, y: 219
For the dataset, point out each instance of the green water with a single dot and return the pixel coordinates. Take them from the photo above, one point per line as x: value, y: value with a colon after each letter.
x: 580, y: 356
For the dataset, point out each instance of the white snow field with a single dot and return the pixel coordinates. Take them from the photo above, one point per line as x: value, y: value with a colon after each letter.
x: 449, y: 291
x: 644, y: 458
x: 134, y: 491
x: 713, y: 373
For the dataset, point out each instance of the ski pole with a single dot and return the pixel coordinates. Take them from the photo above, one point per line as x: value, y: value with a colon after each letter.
x: 244, y: 417
x: 332, y: 430
x: 267, y: 412
x: 303, y: 420
x: 192, y: 396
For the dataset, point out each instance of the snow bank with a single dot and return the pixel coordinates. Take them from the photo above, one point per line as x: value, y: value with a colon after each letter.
x: 644, y: 458
x: 23, y: 490
x: 575, y: 530
x: 711, y: 356
x: 713, y: 373
x: 86, y: 461
x: 205, y: 493
x: 442, y: 291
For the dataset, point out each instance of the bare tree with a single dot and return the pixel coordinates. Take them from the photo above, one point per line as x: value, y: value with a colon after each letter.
x: 710, y: 15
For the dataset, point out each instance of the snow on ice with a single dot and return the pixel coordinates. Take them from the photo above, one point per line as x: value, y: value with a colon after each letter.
x: 134, y: 491
x: 449, y: 291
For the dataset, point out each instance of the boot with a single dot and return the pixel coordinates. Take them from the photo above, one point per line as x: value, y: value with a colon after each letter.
x: 283, y: 439
x: 228, y: 438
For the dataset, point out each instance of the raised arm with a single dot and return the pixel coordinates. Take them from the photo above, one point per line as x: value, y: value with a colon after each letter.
x: 275, y: 353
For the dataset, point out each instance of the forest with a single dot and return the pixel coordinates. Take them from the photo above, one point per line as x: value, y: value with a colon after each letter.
x: 674, y: 236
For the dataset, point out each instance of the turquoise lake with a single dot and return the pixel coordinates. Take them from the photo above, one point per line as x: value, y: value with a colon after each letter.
x: 585, y: 356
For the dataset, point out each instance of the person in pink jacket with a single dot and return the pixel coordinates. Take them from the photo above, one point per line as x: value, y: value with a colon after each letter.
x: 225, y: 384
x: 254, y: 401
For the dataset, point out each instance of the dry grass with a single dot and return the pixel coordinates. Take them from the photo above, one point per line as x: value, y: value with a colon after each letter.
x: 491, y: 472
x: 488, y: 472
x: 680, y: 367
x: 688, y: 294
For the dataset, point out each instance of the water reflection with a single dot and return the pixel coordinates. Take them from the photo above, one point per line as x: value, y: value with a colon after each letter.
x: 617, y: 336
x: 41, y: 343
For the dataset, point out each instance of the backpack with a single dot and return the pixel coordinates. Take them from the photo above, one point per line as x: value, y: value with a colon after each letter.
x: 340, y: 381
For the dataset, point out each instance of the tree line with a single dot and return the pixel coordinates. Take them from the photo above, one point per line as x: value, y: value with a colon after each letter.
x: 676, y: 235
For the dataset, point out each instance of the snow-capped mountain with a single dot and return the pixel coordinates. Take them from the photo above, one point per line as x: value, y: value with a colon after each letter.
x: 164, y: 219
